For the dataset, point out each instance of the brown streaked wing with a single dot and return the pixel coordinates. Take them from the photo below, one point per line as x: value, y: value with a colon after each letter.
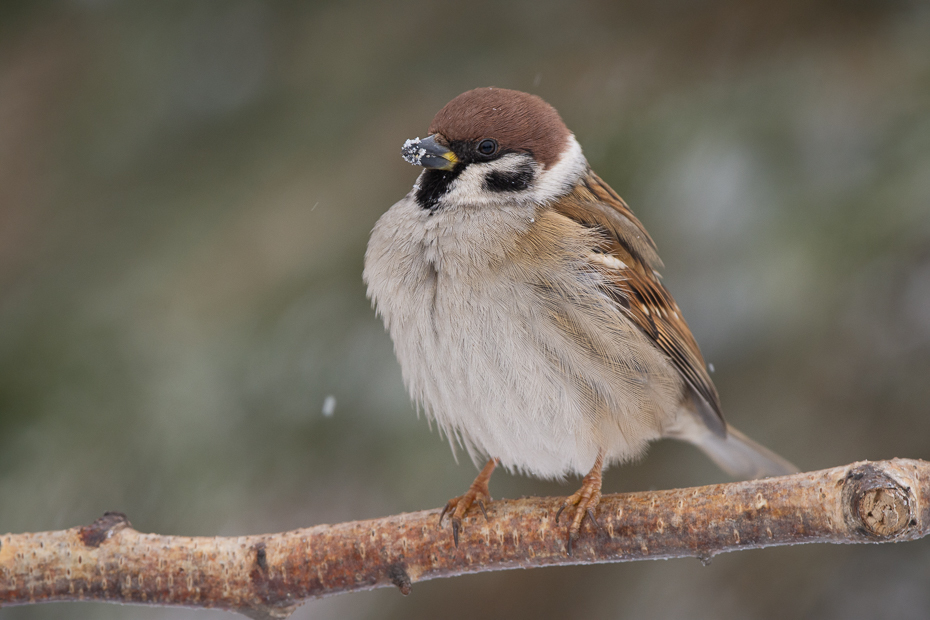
x: 634, y: 284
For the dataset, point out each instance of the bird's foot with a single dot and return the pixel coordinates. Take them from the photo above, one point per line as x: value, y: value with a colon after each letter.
x: 477, y: 494
x: 585, y: 502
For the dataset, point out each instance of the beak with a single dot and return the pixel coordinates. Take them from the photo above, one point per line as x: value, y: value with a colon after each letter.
x: 429, y: 154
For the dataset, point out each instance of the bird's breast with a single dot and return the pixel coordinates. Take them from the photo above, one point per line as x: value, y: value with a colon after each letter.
x: 530, y: 366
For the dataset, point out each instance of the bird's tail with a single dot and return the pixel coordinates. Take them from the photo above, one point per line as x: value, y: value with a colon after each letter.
x: 736, y: 454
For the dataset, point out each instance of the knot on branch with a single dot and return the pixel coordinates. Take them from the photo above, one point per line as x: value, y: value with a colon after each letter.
x: 399, y: 577
x: 103, y: 528
x: 877, y: 505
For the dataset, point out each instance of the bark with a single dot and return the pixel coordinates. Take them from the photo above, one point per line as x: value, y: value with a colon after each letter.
x: 267, y: 576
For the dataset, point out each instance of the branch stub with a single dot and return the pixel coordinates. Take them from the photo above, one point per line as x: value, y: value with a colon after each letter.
x: 877, y: 505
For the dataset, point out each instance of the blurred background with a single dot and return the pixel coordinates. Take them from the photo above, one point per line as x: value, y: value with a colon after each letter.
x: 186, y: 192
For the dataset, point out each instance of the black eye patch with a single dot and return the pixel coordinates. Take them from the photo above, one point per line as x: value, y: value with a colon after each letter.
x: 515, y: 180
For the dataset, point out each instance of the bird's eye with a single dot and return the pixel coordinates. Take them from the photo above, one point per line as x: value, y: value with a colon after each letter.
x: 487, y: 147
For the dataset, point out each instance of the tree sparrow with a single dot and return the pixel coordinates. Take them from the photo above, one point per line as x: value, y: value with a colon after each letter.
x: 526, y: 309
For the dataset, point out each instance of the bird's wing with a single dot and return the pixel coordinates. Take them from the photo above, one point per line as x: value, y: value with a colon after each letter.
x: 626, y: 256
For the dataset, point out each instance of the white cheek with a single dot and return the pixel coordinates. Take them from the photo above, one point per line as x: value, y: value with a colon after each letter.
x: 469, y: 189
x: 562, y: 177
x: 469, y: 186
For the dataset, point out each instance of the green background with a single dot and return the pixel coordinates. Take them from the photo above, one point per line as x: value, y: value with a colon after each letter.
x: 187, y: 188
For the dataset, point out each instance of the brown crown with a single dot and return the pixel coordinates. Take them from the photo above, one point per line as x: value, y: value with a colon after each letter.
x: 518, y: 121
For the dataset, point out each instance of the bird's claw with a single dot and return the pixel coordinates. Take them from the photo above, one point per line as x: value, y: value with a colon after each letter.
x: 477, y: 494
x: 585, y: 501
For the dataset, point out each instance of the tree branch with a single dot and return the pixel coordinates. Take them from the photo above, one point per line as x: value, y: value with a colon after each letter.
x: 267, y: 576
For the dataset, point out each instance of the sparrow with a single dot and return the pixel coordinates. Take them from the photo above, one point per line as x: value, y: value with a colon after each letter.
x: 527, y: 312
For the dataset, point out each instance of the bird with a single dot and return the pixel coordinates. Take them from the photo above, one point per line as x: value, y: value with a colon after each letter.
x: 528, y: 314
